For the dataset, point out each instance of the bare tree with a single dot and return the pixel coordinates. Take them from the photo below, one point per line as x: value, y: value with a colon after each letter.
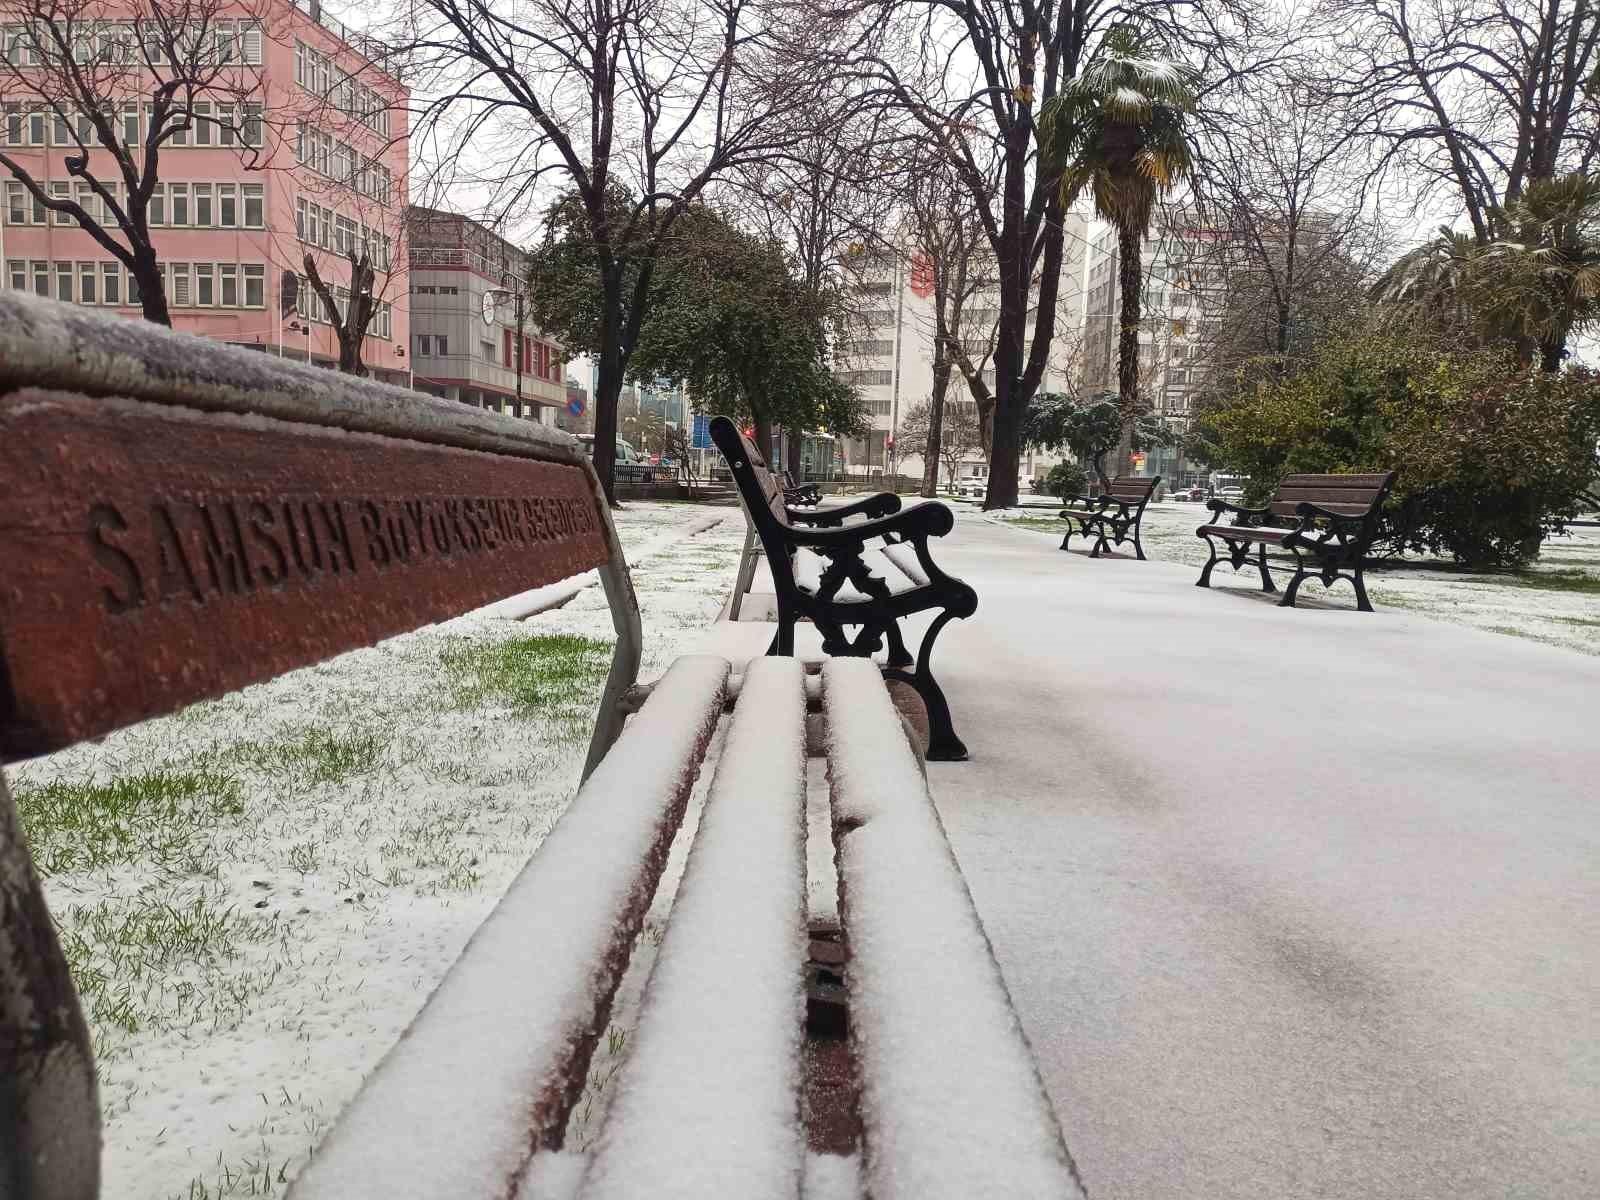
x: 828, y: 199
x: 1280, y: 245
x: 958, y: 438
x: 952, y: 263
x: 349, y: 137
x: 114, y: 84
x: 637, y: 106
x: 1469, y: 101
x: 915, y: 54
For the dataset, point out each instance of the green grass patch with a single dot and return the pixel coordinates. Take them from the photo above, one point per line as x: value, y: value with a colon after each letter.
x: 1568, y: 579
x: 161, y: 818
x: 318, y: 754
x: 147, y: 960
x: 533, y: 675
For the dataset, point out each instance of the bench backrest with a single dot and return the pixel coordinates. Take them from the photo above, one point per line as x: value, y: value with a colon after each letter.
x: 1347, y: 495
x: 761, y: 493
x: 184, y: 518
x: 1133, y: 489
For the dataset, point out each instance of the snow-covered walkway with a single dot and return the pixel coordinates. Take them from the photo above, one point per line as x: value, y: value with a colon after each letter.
x: 1292, y: 903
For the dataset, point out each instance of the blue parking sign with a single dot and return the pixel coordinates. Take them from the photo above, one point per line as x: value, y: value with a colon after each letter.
x: 700, y: 433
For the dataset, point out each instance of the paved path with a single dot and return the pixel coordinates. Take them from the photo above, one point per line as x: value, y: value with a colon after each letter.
x: 1292, y: 903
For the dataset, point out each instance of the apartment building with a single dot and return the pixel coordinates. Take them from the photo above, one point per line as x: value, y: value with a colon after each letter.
x: 301, y: 149
x: 1185, y: 285
x: 467, y: 286
x: 889, y: 353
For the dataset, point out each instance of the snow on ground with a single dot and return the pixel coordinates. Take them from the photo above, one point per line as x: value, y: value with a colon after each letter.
x: 259, y: 892
x: 1557, y: 601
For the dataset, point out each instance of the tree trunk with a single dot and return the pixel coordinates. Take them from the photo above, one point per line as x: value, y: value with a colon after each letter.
x: 930, y: 456
x: 763, y: 438
x: 1131, y: 271
x: 608, y: 390
x: 146, y: 272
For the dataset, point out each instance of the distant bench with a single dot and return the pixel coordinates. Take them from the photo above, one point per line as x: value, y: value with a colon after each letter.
x: 185, y: 518
x: 1336, y: 521
x: 1117, y: 511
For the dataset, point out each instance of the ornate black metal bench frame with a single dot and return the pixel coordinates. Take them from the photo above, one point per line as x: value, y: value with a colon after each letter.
x: 1338, y: 519
x: 799, y: 493
x: 1118, y: 511
x: 837, y: 536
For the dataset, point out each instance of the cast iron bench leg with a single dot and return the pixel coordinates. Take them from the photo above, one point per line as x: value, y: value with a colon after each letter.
x: 943, y: 744
x: 1205, y: 571
x: 1362, y: 603
x: 1266, y: 577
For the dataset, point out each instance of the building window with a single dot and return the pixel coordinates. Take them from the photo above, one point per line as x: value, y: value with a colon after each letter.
x: 205, y: 284
x: 179, y: 193
x: 178, y: 289
x: 441, y: 345
x: 64, y: 282
x: 17, y: 272
x: 205, y: 215
x: 254, y: 206
x: 255, y: 285
x: 88, y: 291
x: 228, y: 205
x: 487, y: 350
x: 229, y: 275
x: 16, y: 204
x: 111, y: 283
x: 41, y: 279
x: 156, y: 213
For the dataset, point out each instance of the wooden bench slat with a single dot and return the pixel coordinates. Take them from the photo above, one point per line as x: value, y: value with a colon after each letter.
x: 951, y: 1101
x: 489, y: 1070
x: 706, y: 1105
x: 157, y: 555
x: 1291, y: 507
x: 1246, y: 533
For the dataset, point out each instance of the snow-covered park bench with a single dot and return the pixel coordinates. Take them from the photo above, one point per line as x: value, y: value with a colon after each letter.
x: 1336, y: 520
x: 1117, y: 511
x: 864, y: 565
x: 183, y: 519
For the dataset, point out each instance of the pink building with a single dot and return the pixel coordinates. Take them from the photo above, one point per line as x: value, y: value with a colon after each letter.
x: 327, y: 132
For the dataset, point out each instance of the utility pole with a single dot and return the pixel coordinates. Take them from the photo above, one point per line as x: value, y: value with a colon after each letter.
x: 519, y: 352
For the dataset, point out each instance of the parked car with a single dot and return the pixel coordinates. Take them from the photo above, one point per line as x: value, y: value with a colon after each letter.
x: 631, y: 466
x: 974, y: 488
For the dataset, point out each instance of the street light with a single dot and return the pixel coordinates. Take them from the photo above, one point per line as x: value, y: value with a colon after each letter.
x: 488, y: 319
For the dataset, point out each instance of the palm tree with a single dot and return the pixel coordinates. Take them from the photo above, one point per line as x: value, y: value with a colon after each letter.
x: 1118, y: 130
x: 1540, y: 282
x: 1533, y: 286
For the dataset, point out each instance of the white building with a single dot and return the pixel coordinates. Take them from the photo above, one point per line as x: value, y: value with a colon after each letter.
x: 889, y: 354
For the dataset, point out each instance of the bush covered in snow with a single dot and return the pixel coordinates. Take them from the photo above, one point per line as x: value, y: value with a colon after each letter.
x: 1487, y: 453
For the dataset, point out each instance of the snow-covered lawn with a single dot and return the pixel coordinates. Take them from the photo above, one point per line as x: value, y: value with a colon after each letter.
x: 1557, y: 601
x: 257, y: 893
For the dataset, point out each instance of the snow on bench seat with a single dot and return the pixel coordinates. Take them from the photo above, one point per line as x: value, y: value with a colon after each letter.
x: 951, y: 1101
x: 707, y: 1104
x: 488, y: 1071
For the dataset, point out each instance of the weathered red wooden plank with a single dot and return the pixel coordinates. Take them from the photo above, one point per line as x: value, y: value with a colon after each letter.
x: 154, y: 556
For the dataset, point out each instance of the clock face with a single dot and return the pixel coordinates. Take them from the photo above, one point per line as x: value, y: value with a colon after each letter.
x: 488, y: 308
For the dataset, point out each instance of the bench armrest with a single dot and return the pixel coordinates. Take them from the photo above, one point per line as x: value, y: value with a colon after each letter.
x: 882, y: 504
x: 1310, y: 511
x: 920, y: 521
x: 1221, y: 506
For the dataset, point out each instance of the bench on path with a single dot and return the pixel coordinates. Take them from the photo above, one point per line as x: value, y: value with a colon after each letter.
x: 1117, y: 511
x: 185, y: 518
x: 799, y: 493
x: 863, y: 565
x: 1337, y: 520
